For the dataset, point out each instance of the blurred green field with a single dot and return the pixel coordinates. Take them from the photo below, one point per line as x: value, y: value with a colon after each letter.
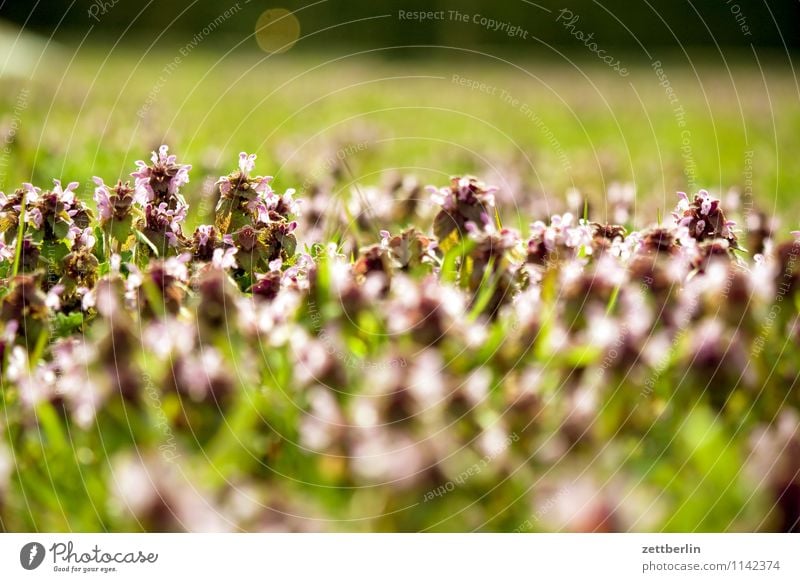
x: 535, y: 128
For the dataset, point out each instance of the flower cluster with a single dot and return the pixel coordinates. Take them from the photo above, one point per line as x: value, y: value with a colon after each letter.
x: 259, y: 221
x: 453, y: 372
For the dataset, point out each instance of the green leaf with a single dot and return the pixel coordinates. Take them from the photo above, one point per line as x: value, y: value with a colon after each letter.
x: 486, y: 290
x: 66, y: 324
x: 450, y: 270
x: 20, y: 235
x: 444, y: 226
x: 142, y: 238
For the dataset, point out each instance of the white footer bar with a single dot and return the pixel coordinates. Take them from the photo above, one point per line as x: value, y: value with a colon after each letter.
x: 400, y: 557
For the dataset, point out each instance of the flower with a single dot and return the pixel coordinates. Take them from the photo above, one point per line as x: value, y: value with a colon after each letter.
x: 66, y: 196
x: 167, y: 276
x: 118, y: 201
x: 286, y: 205
x: 704, y: 218
x: 81, y: 237
x: 162, y: 180
x: 162, y: 225
x: 6, y: 252
x: 10, y: 207
x: 74, y: 383
x: 464, y: 200
x: 206, y: 241
x: 53, y: 213
x: 224, y: 258
x: 241, y: 182
x: 562, y: 239
x: 247, y: 163
x: 244, y: 199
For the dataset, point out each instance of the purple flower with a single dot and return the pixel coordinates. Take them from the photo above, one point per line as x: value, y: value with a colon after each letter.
x: 163, y: 179
x: 5, y: 252
x: 465, y: 200
x: 241, y: 182
x: 224, y: 258
x: 36, y: 217
x: 81, y: 237
x: 244, y: 199
x: 67, y: 197
x: 32, y: 192
x: 286, y: 205
x: 117, y: 202
x: 247, y: 163
x: 55, y: 211
x: 258, y: 207
x: 103, y: 199
x: 704, y: 218
x: 561, y: 239
x: 204, y: 232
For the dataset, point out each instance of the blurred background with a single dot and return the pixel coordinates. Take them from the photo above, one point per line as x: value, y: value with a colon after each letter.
x: 630, y: 26
x: 545, y: 99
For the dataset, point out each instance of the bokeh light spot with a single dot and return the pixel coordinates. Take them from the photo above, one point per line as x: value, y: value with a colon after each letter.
x: 277, y: 29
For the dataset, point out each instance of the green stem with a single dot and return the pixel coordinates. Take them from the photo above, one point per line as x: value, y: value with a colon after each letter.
x: 20, y: 236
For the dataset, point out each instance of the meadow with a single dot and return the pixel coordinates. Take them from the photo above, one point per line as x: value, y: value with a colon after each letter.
x: 563, y: 344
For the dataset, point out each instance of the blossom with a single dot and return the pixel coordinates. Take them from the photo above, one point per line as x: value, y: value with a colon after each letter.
x: 31, y: 192
x: 464, y: 200
x: 6, y: 252
x: 563, y: 238
x: 247, y: 163
x: 163, y: 178
x: 241, y: 182
x: 81, y: 237
x: 286, y: 205
x: 704, y: 218
x: 65, y: 196
x: 55, y: 211
x: 117, y: 202
x: 72, y: 359
x: 224, y: 258
x: 161, y: 220
x: 244, y: 200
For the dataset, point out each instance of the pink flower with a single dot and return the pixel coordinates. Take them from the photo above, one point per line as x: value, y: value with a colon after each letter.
x: 84, y: 238
x: 704, y: 218
x: 225, y: 186
x: 36, y: 217
x: 67, y: 197
x: 117, y: 201
x: 261, y: 184
x: 5, y: 252
x: 204, y: 231
x: 103, y: 199
x: 240, y: 181
x: 287, y: 205
x: 224, y: 258
x: 32, y: 192
x: 176, y: 267
x: 247, y: 163
x: 443, y: 197
x: 258, y: 206
x: 164, y: 177
x: 53, y: 298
